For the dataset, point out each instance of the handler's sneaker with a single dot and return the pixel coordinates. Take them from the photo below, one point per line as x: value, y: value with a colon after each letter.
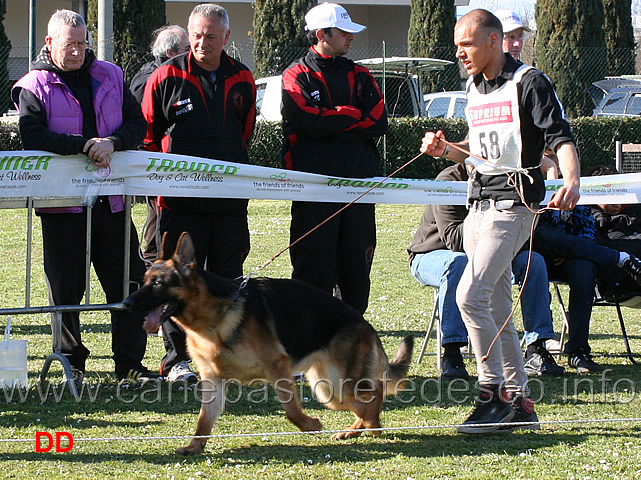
x: 491, y: 410
x: 524, y: 414
x: 182, y: 373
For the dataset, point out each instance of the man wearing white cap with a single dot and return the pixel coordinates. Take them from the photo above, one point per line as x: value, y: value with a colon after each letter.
x: 333, y: 112
x: 513, y: 32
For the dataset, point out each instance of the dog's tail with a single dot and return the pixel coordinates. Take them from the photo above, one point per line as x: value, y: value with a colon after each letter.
x: 400, y: 365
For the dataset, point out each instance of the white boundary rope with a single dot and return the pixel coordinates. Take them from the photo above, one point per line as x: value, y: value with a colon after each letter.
x: 328, y: 432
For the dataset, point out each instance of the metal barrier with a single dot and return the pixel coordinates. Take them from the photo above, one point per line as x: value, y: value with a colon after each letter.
x: 56, y: 324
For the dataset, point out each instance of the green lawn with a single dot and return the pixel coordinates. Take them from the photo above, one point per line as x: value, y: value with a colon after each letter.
x: 123, y: 432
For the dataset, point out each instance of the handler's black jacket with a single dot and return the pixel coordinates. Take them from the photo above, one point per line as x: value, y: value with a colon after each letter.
x: 332, y: 113
x: 189, y: 111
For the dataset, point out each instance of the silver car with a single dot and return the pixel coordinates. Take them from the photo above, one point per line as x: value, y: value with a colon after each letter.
x: 445, y: 104
x: 620, y: 102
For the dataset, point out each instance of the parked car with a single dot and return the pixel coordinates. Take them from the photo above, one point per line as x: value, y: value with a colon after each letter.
x: 620, y: 102
x: 445, y: 104
x: 268, y: 96
x: 398, y: 76
x: 600, y: 88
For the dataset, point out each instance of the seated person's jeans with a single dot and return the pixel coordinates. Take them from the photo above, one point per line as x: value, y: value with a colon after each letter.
x: 443, y: 269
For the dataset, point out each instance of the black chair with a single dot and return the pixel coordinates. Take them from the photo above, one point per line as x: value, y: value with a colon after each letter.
x: 614, y: 296
x: 605, y: 295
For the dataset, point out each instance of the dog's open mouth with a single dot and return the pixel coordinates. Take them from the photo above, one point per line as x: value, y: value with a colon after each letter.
x: 158, y: 315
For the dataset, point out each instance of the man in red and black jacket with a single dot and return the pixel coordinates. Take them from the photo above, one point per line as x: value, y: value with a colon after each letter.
x: 333, y: 112
x: 203, y: 104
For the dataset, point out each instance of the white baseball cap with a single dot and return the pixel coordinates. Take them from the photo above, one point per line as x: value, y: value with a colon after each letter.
x: 510, y: 21
x: 331, y: 15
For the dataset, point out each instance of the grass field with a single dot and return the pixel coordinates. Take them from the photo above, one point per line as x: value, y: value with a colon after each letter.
x: 125, y: 432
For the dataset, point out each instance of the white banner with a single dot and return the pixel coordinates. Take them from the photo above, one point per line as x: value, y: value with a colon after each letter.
x: 43, y: 174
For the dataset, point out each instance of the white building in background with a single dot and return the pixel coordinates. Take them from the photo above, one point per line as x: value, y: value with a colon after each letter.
x: 387, y: 21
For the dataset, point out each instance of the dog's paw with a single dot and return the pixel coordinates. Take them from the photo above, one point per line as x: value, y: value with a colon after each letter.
x: 346, y: 435
x: 196, y: 447
x: 312, y: 425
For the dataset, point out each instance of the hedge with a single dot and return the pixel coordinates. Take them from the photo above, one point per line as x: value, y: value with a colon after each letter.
x: 595, y: 137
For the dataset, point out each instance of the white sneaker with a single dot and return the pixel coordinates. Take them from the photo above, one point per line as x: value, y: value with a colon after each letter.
x: 182, y: 373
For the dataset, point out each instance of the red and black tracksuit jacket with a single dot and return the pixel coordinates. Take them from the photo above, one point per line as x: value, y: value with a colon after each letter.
x: 192, y: 111
x: 333, y: 111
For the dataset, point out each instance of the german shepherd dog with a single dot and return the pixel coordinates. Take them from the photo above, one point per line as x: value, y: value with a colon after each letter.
x: 267, y: 329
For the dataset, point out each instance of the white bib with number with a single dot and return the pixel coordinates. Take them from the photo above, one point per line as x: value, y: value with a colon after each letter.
x: 495, y: 126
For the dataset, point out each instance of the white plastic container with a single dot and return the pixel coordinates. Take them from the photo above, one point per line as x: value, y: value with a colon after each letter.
x: 13, y: 360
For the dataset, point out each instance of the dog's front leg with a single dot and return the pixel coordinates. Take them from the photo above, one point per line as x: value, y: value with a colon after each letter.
x: 212, y: 405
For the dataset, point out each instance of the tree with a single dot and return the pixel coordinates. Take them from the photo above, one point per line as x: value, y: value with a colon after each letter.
x: 5, y: 48
x: 619, y: 37
x: 570, y: 49
x: 431, y: 34
x: 279, y: 34
x: 133, y: 23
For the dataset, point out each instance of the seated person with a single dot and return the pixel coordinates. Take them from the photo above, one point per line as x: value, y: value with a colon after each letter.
x: 567, y: 241
x: 618, y: 226
x: 437, y: 259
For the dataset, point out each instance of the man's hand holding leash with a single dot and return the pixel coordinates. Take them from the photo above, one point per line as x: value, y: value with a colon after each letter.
x: 435, y: 145
x: 568, y: 195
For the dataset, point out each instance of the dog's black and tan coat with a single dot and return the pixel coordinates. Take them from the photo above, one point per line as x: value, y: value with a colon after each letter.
x: 269, y: 329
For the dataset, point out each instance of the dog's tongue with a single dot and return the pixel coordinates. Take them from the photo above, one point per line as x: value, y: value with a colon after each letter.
x: 152, y: 321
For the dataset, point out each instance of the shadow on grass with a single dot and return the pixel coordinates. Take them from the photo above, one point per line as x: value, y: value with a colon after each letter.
x: 45, y: 328
x: 411, y: 446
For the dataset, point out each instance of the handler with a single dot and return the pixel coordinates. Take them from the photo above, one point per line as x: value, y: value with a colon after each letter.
x: 512, y: 113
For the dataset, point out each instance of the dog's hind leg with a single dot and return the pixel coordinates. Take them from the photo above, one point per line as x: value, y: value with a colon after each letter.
x: 212, y: 405
x: 366, y: 409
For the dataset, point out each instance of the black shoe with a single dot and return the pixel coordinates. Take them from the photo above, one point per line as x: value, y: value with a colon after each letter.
x: 541, y: 362
x: 454, y: 367
x: 138, y: 374
x: 490, y: 411
x: 524, y: 414
x: 632, y: 266
x: 583, y: 363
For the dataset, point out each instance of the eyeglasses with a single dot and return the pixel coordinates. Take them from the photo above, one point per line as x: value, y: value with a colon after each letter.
x: 80, y: 46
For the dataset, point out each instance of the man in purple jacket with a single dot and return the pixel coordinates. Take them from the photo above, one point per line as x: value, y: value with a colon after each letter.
x: 70, y: 103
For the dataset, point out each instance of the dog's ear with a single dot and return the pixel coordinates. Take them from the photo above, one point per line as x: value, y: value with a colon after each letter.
x: 185, y: 252
x: 166, y: 249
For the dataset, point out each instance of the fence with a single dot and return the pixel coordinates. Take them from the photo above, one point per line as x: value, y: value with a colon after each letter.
x: 57, y: 310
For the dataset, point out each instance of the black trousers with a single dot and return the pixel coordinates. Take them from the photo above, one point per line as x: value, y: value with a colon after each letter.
x: 338, y: 253
x: 64, y: 242
x: 221, y: 242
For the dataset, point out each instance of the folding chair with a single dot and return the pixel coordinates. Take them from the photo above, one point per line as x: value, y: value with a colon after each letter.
x: 614, y: 299
x: 600, y: 300
x: 435, y: 322
x: 564, y: 315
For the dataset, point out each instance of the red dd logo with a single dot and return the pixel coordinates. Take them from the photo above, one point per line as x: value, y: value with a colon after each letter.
x: 48, y: 438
